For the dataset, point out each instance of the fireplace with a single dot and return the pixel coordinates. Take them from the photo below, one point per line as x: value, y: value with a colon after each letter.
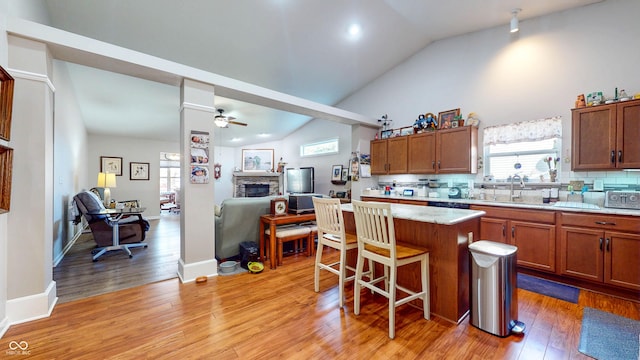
x: 246, y: 184
x: 256, y: 190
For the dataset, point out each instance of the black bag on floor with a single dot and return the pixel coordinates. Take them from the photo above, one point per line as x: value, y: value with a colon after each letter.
x: 248, y: 252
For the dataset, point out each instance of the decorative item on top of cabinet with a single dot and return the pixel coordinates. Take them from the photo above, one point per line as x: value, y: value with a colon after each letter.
x: 447, y: 118
x: 604, y: 137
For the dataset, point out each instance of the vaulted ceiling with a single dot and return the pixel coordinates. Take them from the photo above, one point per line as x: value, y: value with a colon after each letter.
x: 298, y: 47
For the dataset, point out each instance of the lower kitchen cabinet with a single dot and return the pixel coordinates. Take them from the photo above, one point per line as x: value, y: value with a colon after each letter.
x: 533, y: 232
x: 593, y: 249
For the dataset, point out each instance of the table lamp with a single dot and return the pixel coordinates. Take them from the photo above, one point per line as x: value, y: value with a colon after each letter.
x: 106, y: 181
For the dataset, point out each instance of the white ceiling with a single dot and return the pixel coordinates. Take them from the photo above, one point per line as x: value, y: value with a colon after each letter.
x: 298, y: 47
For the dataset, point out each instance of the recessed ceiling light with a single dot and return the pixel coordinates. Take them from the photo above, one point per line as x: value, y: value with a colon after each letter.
x: 264, y: 135
x: 236, y: 139
x: 354, y: 31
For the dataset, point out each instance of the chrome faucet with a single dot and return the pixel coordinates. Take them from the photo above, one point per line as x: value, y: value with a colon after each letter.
x: 513, y: 179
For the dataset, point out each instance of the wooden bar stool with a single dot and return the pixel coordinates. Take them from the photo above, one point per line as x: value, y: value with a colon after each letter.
x: 330, y: 227
x: 288, y: 233
x: 377, y: 242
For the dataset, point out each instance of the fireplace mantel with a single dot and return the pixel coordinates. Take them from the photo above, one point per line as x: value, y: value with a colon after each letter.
x: 273, y: 179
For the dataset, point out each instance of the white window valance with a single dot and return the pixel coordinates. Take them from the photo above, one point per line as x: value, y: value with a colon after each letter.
x: 532, y: 130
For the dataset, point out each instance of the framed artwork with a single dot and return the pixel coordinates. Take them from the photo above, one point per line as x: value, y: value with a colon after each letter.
x: 199, y: 174
x: 138, y: 171
x: 257, y: 160
x: 336, y: 173
x: 345, y: 174
x: 111, y: 164
x: 385, y: 134
x: 406, y: 131
x: 446, y: 118
x: 6, y: 166
x: 6, y: 104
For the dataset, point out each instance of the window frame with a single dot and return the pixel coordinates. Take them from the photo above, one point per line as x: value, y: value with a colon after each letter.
x: 318, y: 143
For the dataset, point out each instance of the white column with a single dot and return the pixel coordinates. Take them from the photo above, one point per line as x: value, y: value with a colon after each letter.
x: 31, y: 290
x: 197, y: 219
x: 361, y: 137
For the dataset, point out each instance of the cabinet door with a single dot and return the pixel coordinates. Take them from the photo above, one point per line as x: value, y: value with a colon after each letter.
x: 422, y: 153
x: 581, y: 253
x: 378, y: 157
x: 457, y: 150
x: 397, y: 155
x: 536, y: 245
x: 627, y: 132
x: 594, y: 138
x: 493, y: 229
x: 622, y: 260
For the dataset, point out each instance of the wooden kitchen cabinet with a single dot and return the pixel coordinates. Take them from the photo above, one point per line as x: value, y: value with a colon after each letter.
x: 604, y: 137
x: 389, y: 156
x: 457, y: 150
x: 451, y: 151
x: 601, y: 249
x: 533, y: 232
x: 422, y: 153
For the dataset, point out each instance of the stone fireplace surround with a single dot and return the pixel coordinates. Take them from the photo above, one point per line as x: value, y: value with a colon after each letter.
x: 240, y: 179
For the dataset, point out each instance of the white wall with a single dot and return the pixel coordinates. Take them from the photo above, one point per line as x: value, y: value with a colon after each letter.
x: 504, y: 79
x: 69, y: 159
x: 136, y: 150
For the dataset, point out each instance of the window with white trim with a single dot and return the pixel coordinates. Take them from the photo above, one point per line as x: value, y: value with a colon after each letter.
x: 169, y: 172
x: 325, y: 147
x: 529, y: 149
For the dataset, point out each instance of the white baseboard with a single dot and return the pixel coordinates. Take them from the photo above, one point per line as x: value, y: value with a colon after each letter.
x: 32, y: 307
x: 66, y: 249
x: 189, y: 272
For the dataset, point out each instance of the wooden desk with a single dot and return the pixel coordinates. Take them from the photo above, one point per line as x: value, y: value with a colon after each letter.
x: 272, y: 221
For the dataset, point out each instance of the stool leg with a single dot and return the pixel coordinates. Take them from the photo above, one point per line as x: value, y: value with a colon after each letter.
x: 279, y: 252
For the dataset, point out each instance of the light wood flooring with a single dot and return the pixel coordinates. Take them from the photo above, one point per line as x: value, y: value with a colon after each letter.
x: 276, y: 314
x: 78, y: 277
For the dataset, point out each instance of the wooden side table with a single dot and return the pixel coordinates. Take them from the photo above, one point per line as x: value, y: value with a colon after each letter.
x: 272, y: 221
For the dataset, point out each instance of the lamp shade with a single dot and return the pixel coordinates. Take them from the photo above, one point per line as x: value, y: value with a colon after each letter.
x: 106, y: 180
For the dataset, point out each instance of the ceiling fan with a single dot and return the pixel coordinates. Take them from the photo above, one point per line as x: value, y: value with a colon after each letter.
x: 224, y: 121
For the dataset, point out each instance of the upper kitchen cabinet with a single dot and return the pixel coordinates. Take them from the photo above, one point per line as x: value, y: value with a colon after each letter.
x: 422, y: 153
x: 605, y: 137
x: 389, y: 156
x: 451, y: 151
x: 457, y: 150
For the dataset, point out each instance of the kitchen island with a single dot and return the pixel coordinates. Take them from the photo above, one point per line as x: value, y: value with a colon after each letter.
x: 446, y: 233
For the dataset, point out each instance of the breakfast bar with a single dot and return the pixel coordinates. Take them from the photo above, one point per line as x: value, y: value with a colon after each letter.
x: 446, y: 233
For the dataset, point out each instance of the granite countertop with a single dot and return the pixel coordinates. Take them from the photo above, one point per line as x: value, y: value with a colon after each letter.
x: 520, y: 205
x: 429, y: 214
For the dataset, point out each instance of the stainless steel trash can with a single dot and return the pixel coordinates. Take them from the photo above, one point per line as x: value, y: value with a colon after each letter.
x: 494, y: 298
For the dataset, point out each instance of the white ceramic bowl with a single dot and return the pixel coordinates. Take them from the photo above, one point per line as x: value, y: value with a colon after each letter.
x: 228, y: 266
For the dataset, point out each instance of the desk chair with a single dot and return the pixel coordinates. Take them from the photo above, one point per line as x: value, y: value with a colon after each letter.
x: 330, y: 228
x: 377, y: 242
x: 131, y: 230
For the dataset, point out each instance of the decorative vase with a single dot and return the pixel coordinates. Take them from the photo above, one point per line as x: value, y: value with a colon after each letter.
x: 553, y: 173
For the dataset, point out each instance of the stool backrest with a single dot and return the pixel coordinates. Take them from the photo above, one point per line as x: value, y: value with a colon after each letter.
x: 374, y: 226
x: 329, y: 217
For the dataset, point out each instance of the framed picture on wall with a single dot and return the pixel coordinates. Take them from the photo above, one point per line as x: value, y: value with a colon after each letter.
x: 138, y: 171
x: 111, y: 164
x: 6, y: 104
x: 336, y: 173
x: 257, y: 160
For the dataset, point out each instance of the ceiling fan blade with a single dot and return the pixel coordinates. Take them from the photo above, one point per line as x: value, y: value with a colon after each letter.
x: 237, y: 123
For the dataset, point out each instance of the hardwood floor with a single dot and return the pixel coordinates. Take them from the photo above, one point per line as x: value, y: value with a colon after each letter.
x: 78, y: 277
x: 276, y: 314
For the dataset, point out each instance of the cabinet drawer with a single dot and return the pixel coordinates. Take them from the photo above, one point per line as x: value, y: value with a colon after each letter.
x: 539, y: 216
x: 605, y: 222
